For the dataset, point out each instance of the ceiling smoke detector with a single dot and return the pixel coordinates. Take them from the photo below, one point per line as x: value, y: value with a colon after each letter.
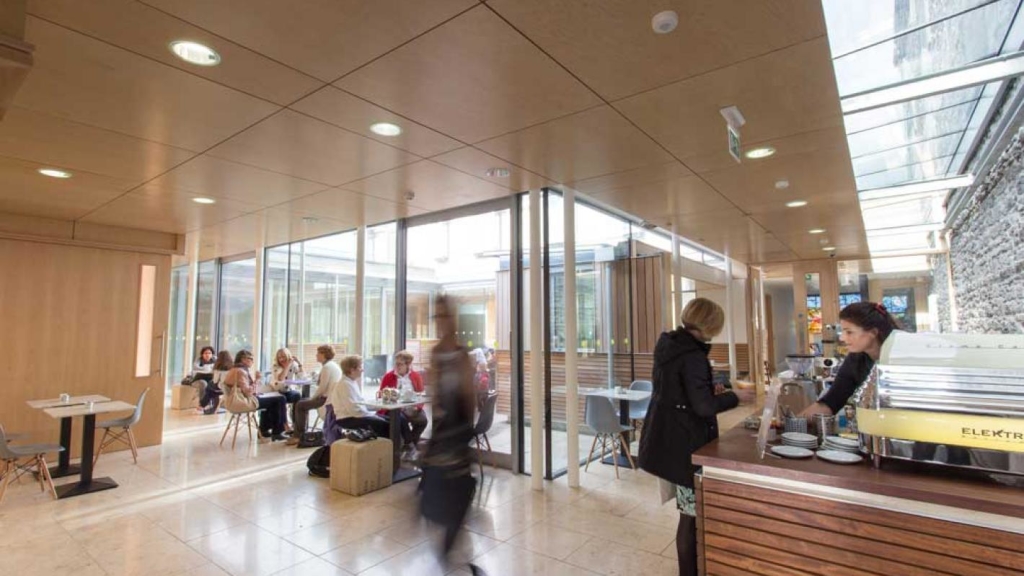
x: 309, y: 220
x: 647, y: 225
x: 410, y: 196
x: 665, y: 22
x: 498, y: 172
x: 782, y: 184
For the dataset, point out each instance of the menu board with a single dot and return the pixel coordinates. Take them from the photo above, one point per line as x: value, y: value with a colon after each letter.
x: 767, y: 415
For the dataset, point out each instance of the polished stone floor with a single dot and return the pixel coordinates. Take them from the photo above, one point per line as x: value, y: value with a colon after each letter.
x: 190, y: 507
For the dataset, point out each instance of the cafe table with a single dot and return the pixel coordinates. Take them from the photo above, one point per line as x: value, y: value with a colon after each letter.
x: 304, y: 383
x: 86, y: 483
x: 394, y: 409
x: 64, y: 467
x: 624, y: 397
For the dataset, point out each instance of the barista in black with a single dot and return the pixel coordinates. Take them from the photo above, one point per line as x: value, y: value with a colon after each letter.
x: 865, y: 327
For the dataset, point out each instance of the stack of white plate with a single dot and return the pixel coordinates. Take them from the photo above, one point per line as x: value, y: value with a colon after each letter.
x: 838, y: 457
x: 800, y: 440
x: 841, y: 444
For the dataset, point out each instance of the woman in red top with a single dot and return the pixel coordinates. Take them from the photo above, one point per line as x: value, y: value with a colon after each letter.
x: 412, y: 420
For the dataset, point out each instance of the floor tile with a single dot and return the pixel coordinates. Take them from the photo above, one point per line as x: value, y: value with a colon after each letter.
x: 248, y: 550
x: 364, y: 553
x: 554, y: 541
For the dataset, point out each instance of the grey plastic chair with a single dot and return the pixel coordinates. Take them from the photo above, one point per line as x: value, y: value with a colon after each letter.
x: 483, y: 426
x: 120, y: 430
x: 638, y: 410
x: 604, y: 420
x: 13, y: 457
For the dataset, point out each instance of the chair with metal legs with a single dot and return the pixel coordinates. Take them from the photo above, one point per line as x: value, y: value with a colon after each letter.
x: 17, y: 460
x: 604, y: 420
x: 120, y: 430
x: 483, y: 426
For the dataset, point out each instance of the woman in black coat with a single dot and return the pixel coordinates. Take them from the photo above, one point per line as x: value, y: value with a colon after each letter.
x: 682, y: 415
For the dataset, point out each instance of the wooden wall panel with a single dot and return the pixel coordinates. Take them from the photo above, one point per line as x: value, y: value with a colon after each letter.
x: 68, y: 322
x: 767, y: 531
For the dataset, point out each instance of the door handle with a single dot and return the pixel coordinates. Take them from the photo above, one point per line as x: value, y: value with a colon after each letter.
x: 162, y: 337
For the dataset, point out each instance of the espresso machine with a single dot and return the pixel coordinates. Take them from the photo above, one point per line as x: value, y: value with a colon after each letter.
x: 950, y: 399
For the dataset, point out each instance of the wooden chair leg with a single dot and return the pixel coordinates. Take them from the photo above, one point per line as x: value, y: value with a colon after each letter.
x: 44, y: 470
x: 488, y: 442
x: 132, y: 444
x: 238, y: 421
x: 8, y: 472
x: 102, y: 445
x: 615, y: 457
x: 629, y: 453
x: 226, y: 430
x: 590, y: 456
x: 39, y: 468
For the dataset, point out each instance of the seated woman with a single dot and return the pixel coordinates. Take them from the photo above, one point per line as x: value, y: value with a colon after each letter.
x: 482, y: 383
x: 240, y: 396
x: 215, y: 390
x: 412, y: 420
x: 286, y: 367
x: 202, y: 376
x: 347, y: 413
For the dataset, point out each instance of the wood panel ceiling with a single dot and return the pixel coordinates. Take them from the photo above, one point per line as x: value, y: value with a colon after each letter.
x: 569, y: 93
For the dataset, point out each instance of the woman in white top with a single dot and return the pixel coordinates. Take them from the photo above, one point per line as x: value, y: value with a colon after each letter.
x: 330, y: 376
x: 348, y: 413
x: 202, y: 377
x: 286, y: 367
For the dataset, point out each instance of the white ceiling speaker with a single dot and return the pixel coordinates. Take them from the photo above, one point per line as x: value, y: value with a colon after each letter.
x: 665, y: 22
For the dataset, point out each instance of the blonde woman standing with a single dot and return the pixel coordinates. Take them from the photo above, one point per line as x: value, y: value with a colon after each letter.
x: 682, y: 416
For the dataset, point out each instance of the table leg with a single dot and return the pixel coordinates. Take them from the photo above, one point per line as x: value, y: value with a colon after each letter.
x: 621, y: 457
x: 64, y: 467
x: 399, y: 474
x: 87, y: 484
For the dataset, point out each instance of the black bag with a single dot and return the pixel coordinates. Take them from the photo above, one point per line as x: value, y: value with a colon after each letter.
x: 319, y: 462
x: 311, y: 439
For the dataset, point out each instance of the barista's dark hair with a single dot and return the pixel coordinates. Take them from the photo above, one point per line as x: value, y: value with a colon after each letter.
x: 870, y: 316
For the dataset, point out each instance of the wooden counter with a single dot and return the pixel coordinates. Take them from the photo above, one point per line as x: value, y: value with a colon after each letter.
x: 777, y: 516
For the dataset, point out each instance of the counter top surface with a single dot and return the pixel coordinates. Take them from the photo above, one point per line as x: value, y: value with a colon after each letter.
x: 736, y: 450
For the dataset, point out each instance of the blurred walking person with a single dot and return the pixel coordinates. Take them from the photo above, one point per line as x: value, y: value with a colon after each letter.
x: 448, y: 485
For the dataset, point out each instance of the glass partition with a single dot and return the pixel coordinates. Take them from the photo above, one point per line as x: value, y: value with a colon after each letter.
x: 237, y: 305
x: 177, y: 362
x: 206, y: 307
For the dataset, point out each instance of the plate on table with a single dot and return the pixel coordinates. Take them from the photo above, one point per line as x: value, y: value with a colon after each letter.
x: 842, y: 442
x: 800, y: 438
x: 838, y: 457
x: 792, y: 452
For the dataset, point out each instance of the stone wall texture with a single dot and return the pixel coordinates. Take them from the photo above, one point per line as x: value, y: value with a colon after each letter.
x: 987, y: 251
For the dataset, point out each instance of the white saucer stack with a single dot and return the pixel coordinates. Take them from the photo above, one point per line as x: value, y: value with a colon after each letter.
x: 841, y: 444
x: 800, y: 440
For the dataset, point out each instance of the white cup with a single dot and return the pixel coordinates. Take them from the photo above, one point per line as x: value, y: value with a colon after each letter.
x: 89, y: 405
x: 65, y: 398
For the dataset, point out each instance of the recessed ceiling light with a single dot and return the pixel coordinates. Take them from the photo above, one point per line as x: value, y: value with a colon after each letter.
x: 498, y: 172
x: 195, y: 53
x: 386, y: 129
x: 201, y: 200
x: 829, y: 248
x: 665, y: 22
x: 796, y: 204
x: 782, y: 184
x: 757, y: 153
x: 54, y: 173
x: 816, y: 231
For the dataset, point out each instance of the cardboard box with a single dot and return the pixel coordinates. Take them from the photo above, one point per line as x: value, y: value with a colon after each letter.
x: 359, y: 468
x: 182, y: 397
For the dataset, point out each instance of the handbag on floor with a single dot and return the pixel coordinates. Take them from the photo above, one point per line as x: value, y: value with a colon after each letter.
x: 319, y: 463
x: 311, y: 439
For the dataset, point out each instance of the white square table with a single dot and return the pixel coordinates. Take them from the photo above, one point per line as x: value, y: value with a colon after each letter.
x: 86, y: 483
x: 394, y: 409
x: 304, y: 383
x: 64, y: 467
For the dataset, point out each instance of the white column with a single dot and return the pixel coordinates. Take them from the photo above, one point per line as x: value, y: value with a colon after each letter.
x: 192, y: 296
x: 536, y: 349
x: 257, y: 309
x: 677, y: 280
x: 357, y: 338
x: 572, y: 418
x: 730, y: 309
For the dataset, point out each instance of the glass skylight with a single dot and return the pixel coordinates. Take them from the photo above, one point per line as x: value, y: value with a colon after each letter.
x: 879, y: 45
